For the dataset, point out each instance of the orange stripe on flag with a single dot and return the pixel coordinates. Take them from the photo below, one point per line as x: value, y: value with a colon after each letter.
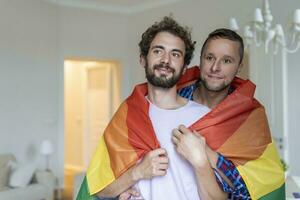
x: 122, y: 154
x: 250, y: 140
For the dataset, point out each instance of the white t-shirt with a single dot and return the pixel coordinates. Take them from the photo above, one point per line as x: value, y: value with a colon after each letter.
x: 180, y: 181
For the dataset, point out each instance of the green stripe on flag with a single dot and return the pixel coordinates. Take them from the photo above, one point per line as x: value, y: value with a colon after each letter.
x: 83, y: 193
x: 278, y: 194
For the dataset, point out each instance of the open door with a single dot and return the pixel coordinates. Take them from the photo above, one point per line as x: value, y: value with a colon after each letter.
x: 98, y: 105
x: 91, y: 96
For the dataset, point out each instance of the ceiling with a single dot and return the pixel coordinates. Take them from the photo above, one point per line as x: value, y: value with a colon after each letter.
x: 116, y: 6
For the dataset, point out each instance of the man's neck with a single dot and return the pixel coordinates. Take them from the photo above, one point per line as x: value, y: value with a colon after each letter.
x: 209, y: 98
x: 165, y: 98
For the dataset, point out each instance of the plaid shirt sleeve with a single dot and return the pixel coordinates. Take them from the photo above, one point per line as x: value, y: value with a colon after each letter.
x: 239, y: 190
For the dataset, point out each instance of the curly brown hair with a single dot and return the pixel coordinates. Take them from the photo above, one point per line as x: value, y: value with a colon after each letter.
x: 168, y: 24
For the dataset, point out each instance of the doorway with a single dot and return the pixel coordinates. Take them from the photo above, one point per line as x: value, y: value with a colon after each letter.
x: 91, y: 96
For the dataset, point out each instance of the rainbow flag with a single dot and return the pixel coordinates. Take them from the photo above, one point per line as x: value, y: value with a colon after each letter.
x: 237, y: 128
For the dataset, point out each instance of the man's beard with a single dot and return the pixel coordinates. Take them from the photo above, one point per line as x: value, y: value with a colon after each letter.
x: 162, y: 81
x: 218, y: 88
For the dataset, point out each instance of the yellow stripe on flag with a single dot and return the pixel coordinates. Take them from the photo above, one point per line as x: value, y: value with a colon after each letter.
x: 264, y: 174
x: 99, y: 174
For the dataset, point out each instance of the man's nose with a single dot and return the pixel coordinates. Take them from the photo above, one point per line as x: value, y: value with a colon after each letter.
x: 165, y: 58
x: 216, y: 66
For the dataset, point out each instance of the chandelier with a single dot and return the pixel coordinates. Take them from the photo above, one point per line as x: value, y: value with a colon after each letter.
x: 261, y: 31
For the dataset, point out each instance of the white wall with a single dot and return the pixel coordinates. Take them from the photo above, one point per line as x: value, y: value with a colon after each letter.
x: 96, y: 35
x: 294, y: 111
x: 29, y: 79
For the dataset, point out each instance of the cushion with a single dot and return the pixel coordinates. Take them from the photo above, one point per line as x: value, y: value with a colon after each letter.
x: 22, y: 175
x: 5, y: 170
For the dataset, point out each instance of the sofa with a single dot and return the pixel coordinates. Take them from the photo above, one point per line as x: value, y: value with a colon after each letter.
x: 40, y: 187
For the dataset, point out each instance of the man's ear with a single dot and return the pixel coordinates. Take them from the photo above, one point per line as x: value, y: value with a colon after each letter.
x: 184, y: 69
x: 142, y: 61
x: 240, y: 67
x: 199, y: 66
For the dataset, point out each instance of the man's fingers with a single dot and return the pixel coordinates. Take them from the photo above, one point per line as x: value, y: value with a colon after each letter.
x: 133, y: 192
x: 183, y: 129
x: 199, y: 135
x: 175, y: 140
x: 163, y: 167
x: 163, y: 160
x: 124, y: 196
x: 161, y: 172
x: 157, y: 152
x: 176, y: 133
x: 128, y: 193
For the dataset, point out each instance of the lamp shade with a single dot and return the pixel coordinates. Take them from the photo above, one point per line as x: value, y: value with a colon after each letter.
x: 233, y: 24
x: 258, y: 17
x: 46, y: 147
x: 297, y: 16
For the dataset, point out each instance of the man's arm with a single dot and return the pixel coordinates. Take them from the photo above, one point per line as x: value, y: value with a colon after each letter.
x: 193, y: 148
x: 213, y: 159
x: 231, y: 180
x: 238, y: 188
x: 154, y: 163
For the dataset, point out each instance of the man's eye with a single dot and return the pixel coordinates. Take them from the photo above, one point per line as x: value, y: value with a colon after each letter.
x: 209, y: 58
x: 227, y: 61
x: 175, y: 54
x: 157, y: 51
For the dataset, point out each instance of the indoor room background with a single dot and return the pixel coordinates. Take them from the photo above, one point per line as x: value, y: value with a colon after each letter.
x: 44, y: 44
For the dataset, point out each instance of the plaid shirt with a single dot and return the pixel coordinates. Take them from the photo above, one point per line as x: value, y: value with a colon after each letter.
x: 239, y: 190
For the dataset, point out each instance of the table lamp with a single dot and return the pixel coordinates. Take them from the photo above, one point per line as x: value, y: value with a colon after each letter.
x: 47, y: 150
